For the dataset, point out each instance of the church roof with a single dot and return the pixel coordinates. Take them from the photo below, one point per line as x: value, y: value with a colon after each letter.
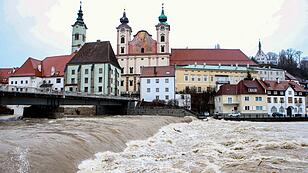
x: 95, y: 53
x: 209, y: 56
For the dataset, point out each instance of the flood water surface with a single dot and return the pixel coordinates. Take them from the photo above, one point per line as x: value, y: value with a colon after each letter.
x: 61, y: 145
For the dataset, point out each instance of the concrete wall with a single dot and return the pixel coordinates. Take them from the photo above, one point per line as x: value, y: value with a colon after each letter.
x: 160, y: 111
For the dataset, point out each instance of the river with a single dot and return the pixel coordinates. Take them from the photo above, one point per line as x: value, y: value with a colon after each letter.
x: 54, y: 146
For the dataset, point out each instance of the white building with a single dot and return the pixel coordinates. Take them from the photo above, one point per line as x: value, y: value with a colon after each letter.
x: 262, y: 58
x: 183, y: 100
x: 268, y: 73
x: 45, y: 75
x: 157, y: 83
x: 285, y: 97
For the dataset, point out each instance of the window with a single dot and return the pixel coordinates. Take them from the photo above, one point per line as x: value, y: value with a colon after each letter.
x: 86, y: 71
x: 86, y: 80
x: 77, y: 36
x: 100, y: 79
x: 229, y: 99
x: 274, y: 109
x: 275, y: 100
x: 300, y: 110
x: 72, y: 80
x: 83, y: 38
x: 162, y: 38
x: 166, y: 89
x: 166, y: 80
x: 131, y: 70
x: 281, y: 100
x: 281, y: 109
x: 300, y: 93
x: 122, y: 40
x: 12, y: 82
x: 86, y: 89
x: 193, y: 78
x: 269, y: 92
x: 166, y: 97
x: 259, y: 99
x: 157, y: 97
x: 157, y: 90
x: 199, y: 78
x: 157, y: 80
x: 259, y: 108
x: 186, y: 78
x: 71, y: 89
x: 58, y: 80
x: 199, y: 89
x: 100, y: 70
x: 162, y: 48
x: 252, y: 90
x: 22, y: 82
x: 100, y: 89
x: 246, y: 108
x: 295, y: 100
x: 73, y: 72
x: 300, y: 100
x: 275, y: 92
x: 148, y: 90
x: 122, y: 49
x: 247, y: 98
x: 269, y: 100
x: 290, y: 92
x: 281, y: 93
x: 212, y: 78
x: 142, y: 50
x: 122, y: 82
x: 130, y: 83
x: 290, y: 100
x: 148, y: 80
x: 205, y: 78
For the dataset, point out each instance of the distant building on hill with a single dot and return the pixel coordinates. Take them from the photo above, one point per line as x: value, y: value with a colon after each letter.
x: 263, y: 58
x: 94, y: 70
x: 269, y: 73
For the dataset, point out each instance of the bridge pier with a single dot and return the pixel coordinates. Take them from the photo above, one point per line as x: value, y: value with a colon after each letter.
x: 37, y: 111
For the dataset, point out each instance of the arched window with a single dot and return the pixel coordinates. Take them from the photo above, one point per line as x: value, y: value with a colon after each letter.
x: 162, y: 48
x: 300, y: 110
x: 122, y: 40
x: 142, y: 50
x: 162, y: 38
x: 281, y: 109
x: 122, y: 49
x: 274, y: 109
x: 76, y: 36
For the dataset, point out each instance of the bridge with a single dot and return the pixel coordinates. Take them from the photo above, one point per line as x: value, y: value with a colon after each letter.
x: 42, y: 100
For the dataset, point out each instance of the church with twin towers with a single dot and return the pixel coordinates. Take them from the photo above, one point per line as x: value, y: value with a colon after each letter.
x: 133, y: 52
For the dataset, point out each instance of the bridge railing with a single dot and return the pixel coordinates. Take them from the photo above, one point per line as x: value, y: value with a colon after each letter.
x: 33, y: 90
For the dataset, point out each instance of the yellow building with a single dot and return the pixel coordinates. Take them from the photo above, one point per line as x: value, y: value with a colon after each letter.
x: 247, y: 97
x: 205, y: 77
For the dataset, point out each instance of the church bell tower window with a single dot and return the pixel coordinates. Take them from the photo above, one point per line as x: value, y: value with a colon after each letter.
x: 122, y: 40
x: 77, y: 36
x: 142, y: 50
x: 162, y: 38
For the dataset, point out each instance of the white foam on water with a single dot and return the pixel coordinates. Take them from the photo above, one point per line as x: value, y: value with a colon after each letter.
x: 212, y: 146
x: 22, y: 160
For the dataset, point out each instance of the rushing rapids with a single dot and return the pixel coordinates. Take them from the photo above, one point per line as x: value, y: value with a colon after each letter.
x: 59, y: 145
x: 213, y: 146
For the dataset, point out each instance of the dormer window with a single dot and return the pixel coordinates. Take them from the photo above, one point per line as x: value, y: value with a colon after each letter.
x: 252, y: 90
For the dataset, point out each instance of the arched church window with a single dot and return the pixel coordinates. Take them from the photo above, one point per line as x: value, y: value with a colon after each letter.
x: 142, y: 50
x: 274, y: 109
x: 281, y: 109
x: 162, y: 48
x: 122, y: 40
x: 162, y: 38
x: 77, y: 36
x: 122, y: 49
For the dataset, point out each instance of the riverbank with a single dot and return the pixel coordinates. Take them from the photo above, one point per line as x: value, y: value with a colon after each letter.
x: 42, y: 145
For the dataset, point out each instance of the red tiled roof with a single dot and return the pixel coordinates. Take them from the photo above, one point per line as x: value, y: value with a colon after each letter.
x: 160, y: 71
x: 29, y: 68
x: 242, y: 88
x: 209, y: 56
x: 282, y: 85
x: 5, y: 73
x: 58, y: 62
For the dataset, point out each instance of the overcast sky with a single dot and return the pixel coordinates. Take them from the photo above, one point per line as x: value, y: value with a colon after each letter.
x: 40, y: 28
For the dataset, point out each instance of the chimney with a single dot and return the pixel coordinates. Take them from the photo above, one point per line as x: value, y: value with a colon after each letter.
x: 219, y: 65
x: 39, y: 68
x: 204, y: 64
x: 98, y: 41
x: 195, y: 64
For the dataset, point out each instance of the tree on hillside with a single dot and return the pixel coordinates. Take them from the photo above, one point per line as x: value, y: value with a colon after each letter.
x: 248, y: 77
x: 272, y: 56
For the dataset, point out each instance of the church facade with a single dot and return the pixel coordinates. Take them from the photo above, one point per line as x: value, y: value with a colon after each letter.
x: 140, y: 51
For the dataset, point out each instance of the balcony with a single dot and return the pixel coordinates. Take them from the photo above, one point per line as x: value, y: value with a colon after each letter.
x: 231, y: 103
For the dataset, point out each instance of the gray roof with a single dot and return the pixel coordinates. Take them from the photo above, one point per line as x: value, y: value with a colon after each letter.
x: 95, y: 53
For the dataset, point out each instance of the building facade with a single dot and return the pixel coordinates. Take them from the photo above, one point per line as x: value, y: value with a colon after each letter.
x: 79, y: 32
x: 157, y: 83
x: 246, y: 97
x: 45, y: 75
x: 208, y: 77
x: 268, y: 73
x: 285, y: 97
x: 141, y: 51
x: 263, y: 58
x: 93, y: 70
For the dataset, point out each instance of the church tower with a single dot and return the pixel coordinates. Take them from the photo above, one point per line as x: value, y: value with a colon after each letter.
x: 124, y: 32
x: 162, y: 29
x: 79, y: 32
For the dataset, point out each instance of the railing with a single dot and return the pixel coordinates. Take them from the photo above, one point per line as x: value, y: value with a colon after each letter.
x: 32, y: 90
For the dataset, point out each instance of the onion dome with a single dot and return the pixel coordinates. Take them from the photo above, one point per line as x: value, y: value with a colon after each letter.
x: 124, y: 19
x: 162, y: 18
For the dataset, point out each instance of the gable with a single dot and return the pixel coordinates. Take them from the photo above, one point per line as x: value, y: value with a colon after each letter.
x: 142, y: 40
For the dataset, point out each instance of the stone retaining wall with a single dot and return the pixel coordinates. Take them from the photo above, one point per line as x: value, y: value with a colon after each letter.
x: 160, y: 111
